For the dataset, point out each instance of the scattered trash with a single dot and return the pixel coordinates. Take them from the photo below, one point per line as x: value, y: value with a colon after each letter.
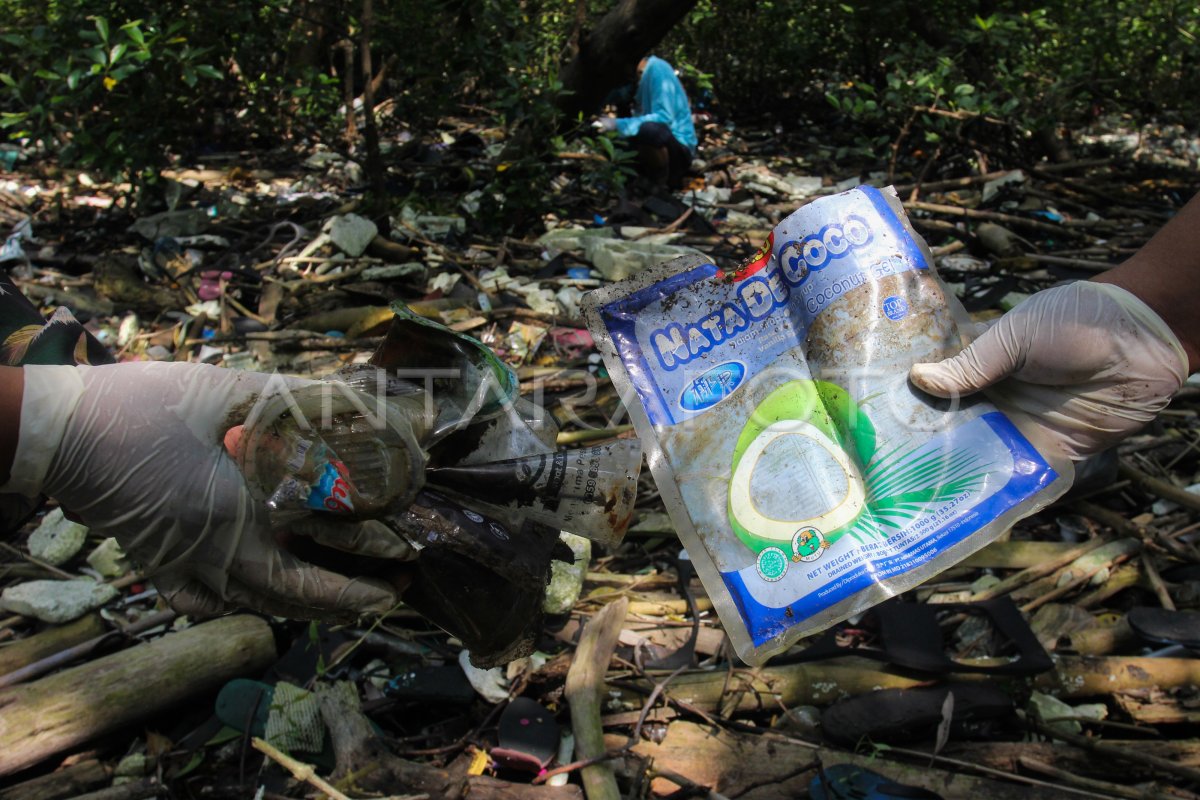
x: 528, y: 736
x: 1060, y: 716
x: 255, y: 269
x: 490, y: 683
x: 618, y: 259
x: 351, y: 233
x: 56, y: 601
x: 108, y: 559
x: 431, y: 226
x: 566, y: 578
x: 182, y: 222
x: 994, y: 187
x: 57, y: 539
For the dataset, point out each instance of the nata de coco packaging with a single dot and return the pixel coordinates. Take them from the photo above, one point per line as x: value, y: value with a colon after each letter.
x: 808, y: 479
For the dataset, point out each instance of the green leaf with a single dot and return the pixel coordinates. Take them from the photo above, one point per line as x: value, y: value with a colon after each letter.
x: 198, y: 758
x: 134, y: 32
x: 73, y: 79
x: 115, y: 54
x: 47, y: 74
x: 964, y: 89
x: 102, y: 28
x: 7, y: 79
x: 209, y: 71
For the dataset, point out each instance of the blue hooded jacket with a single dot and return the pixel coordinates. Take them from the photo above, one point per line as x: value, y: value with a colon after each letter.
x: 661, y: 98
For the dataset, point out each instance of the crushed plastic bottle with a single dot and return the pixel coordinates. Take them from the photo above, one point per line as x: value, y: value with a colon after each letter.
x: 329, y: 447
x: 432, y: 438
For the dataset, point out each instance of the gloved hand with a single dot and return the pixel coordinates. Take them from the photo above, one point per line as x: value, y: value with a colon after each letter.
x: 606, y: 124
x: 1089, y: 362
x: 135, y: 451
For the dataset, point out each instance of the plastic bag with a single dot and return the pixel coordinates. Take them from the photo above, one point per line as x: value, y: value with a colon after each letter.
x: 808, y: 479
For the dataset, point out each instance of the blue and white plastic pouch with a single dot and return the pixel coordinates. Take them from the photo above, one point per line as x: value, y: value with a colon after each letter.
x: 806, y: 477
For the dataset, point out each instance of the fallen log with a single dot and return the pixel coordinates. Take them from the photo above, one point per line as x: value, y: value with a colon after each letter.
x: 771, y: 689
x: 69, y: 781
x: 79, y: 704
x: 50, y: 641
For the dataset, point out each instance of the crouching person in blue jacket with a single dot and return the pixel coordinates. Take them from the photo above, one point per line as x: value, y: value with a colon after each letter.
x: 662, y: 130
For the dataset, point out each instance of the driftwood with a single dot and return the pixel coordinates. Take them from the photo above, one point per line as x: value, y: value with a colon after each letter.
x: 1016, y: 555
x: 775, y: 688
x: 1159, y: 487
x: 50, y: 641
x: 67, y: 782
x: 76, y: 705
x: 995, y: 216
x: 1004, y: 755
x: 585, y: 692
x: 137, y: 790
x: 1086, y: 676
x: 753, y: 767
x: 1100, y: 640
x: 364, y: 761
x: 362, y: 754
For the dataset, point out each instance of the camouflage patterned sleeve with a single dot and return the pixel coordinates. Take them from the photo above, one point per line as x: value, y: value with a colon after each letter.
x: 26, y: 337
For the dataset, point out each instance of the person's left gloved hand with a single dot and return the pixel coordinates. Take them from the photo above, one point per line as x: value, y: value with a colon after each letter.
x: 606, y: 124
x: 135, y: 452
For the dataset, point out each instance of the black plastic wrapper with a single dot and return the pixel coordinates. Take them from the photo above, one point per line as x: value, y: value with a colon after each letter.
x: 478, y: 579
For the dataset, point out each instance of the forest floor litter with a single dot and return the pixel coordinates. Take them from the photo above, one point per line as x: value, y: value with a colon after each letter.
x: 1061, y: 661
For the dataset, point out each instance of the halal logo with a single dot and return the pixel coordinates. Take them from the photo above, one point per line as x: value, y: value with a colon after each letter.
x: 772, y: 564
x: 808, y: 544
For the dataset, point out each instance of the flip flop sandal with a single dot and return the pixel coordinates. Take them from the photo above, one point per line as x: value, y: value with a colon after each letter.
x: 892, y: 715
x: 1163, y: 626
x: 910, y: 637
x: 528, y: 737
x: 850, y: 782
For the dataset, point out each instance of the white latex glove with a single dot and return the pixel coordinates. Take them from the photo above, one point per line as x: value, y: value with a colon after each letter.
x: 1090, y: 362
x: 606, y: 124
x: 135, y: 451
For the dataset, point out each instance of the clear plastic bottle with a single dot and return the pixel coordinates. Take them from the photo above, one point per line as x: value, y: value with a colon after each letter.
x: 589, y: 491
x: 329, y: 447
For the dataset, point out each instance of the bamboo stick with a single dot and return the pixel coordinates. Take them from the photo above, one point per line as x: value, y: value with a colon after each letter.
x: 585, y: 693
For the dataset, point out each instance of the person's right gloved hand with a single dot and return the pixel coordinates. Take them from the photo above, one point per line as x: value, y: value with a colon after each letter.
x: 135, y: 451
x: 1089, y: 362
x: 605, y: 124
